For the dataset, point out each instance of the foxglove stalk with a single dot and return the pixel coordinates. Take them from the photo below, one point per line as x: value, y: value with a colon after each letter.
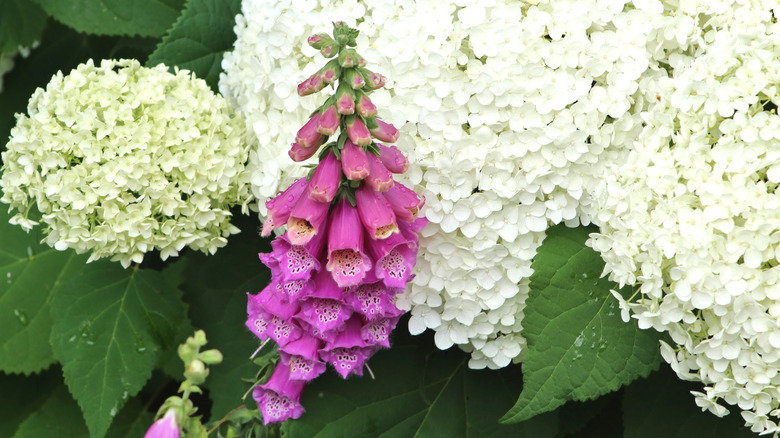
x: 336, y: 271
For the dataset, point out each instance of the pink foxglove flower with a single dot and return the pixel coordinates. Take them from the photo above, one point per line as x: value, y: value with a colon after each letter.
x: 345, y: 104
x: 375, y: 213
x: 379, y: 178
x: 393, y: 159
x: 306, y: 220
x: 279, y: 208
x: 365, y: 107
x: 346, y: 259
x: 279, y: 398
x: 165, y: 427
x: 308, y: 136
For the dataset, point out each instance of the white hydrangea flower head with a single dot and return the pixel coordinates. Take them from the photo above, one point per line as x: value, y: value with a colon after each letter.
x: 506, y: 110
x: 692, y: 215
x: 121, y: 159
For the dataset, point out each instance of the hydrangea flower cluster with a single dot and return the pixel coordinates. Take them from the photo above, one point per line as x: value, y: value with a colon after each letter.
x: 122, y: 159
x: 692, y: 213
x: 350, y: 244
x: 507, y: 111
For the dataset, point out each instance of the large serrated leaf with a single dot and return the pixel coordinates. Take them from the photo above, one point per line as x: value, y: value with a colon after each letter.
x: 218, y: 306
x: 21, y: 24
x: 59, y: 417
x: 30, y: 274
x: 110, y: 326
x: 115, y: 17
x: 21, y: 396
x: 416, y: 393
x: 662, y: 406
x: 199, y: 38
x: 578, y: 347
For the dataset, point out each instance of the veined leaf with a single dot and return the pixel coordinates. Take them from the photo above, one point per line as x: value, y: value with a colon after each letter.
x: 218, y: 306
x: 22, y: 396
x: 30, y: 275
x: 110, y: 326
x: 59, y: 417
x: 21, y: 24
x: 416, y: 393
x: 578, y: 347
x: 200, y: 37
x: 115, y: 17
x: 662, y: 406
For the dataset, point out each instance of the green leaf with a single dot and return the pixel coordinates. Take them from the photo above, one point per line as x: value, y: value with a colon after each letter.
x: 578, y: 347
x: 417, y: 393
x: 110, y: 327
x: 30, y: 275
x: 58, y: 417
x: 22, y: 396
x: 200, y: 37
x: 133, y: 421
x: 218, y: 306
x: 662, y: 406
x: 21, y: 24
x: 115, y: 17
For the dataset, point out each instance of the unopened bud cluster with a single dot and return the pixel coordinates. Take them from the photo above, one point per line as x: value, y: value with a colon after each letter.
x: 350, y: 243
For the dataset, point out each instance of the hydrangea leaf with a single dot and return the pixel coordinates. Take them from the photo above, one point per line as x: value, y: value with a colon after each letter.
x: 110, y: 327
x: 200, y: 37
x: 662, y: 405
x: 578, y: 346
x: 417, y: 392
x: 218, y: 306
x: 58, y: 416
x: 30, y: 275
x: 21, y: 24
x: 115, y: 17
x: 19, y: 401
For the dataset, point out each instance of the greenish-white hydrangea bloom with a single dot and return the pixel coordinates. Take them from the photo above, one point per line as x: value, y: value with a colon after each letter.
x: 122, y: 159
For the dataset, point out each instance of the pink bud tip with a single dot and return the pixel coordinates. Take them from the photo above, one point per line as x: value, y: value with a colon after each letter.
x: 385, y: 132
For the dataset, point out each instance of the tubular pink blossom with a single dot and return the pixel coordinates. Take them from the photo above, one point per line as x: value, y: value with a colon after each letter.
x: 308, y: 136
x: 299, y: 153
x: 393, y: 159
x: 311, y: 85
x: 324, y: 183
x: 375, y: 213
x: 405, y: 202
x: 165, y: 427
x: 348, y: 352
x: 281, y: 205
x: 328, y: 122
x: 374, y: 301
x: 378, y: 332
x: 346, y: 259
x: 306, y: 346
x: 296, y: 262
x: 307, y: 219
x: 385, y: 132
x: 379, y: 178
x: 354, y: 161
x: 395, y: 258
x: 357, y: 131
x: 279, y: 398
x: 365, y: 107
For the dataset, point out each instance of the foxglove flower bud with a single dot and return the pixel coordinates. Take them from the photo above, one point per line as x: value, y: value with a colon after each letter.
x: 299, y: 153
x: 311, y: 85
x: 308, y: 136
x: 354, y: 79
x: 345, y: 103
x: 373, y: 80
x: 349, y: 58
x: 328, y: 122
x: 365, y: 107
x: 375, y: 213
x: 320, y: 40
x: 379, y: 178
x: 405, y: 202
x: 325, y: 181
x: 392, y: 158
x: 331, y: 72
x: 354, y: 162
x: 385, y: 132
x: 357, y: 131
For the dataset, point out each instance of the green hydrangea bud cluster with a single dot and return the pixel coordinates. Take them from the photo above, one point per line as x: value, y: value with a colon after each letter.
x: 122, y: 159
